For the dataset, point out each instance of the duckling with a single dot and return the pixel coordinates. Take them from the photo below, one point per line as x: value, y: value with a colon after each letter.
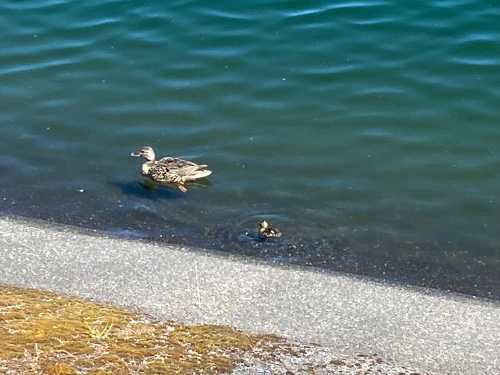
x: 266, y: 231
x: 170, y: 170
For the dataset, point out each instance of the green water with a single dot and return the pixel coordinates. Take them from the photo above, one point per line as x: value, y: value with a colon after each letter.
x: 367, y: 131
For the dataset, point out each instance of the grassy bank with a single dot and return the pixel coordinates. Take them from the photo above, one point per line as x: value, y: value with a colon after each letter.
x: 46, y: 333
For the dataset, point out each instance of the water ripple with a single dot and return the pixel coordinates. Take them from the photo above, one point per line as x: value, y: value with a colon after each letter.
x: 224, y: 14
x: 348, y: 5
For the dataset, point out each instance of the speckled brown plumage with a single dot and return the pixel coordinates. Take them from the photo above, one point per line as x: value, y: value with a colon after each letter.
x: 170, y: 170
x: 266, y: 231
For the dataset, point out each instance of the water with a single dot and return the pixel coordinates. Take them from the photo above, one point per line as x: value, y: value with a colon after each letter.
x: 367, y: 131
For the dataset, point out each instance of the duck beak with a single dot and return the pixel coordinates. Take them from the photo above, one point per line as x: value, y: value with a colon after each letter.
x: 135, y: 154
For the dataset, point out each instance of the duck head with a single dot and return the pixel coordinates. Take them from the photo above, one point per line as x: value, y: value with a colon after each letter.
x: 145, y: 152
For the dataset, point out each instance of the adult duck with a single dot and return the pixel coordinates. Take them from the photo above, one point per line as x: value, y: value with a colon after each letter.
x: 169, y: 170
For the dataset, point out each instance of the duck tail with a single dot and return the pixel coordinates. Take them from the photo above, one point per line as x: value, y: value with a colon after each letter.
x: 198, y: 174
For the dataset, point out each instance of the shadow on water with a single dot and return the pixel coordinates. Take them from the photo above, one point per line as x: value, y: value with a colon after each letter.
x: 147, y: 190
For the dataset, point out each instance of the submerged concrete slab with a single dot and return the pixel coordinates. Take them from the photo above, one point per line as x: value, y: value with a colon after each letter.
x: 444, y: 333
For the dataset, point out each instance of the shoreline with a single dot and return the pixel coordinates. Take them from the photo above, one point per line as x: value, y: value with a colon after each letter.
x: 281, y: 263
x: 429, y: 276
x: 441, y: 332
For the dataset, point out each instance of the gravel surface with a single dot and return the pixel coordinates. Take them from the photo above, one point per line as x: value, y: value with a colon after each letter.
x: 299, y: 358
x: 417, y: 328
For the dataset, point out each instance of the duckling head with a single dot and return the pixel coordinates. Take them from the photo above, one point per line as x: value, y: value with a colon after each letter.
x: 145, y: 152
x: 263, y: 226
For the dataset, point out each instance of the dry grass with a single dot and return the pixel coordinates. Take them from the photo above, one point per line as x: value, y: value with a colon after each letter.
x: 44, y: 333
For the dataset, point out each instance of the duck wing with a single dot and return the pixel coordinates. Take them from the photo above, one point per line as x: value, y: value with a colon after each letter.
x: 185, y: 169
x: 177, y: 163
x: 160, y: 173
x: 192, y: 172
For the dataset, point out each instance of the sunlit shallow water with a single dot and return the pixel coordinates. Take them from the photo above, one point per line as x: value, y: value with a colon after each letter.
x: 366, y: 131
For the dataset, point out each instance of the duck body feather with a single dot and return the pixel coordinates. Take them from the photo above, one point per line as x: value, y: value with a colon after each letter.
x: 176, y: 172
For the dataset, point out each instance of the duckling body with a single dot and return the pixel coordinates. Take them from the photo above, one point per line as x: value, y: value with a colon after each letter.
x: 170, y: 170
x: 267, y: 231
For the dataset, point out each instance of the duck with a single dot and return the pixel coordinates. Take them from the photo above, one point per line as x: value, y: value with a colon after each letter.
x: 267, y: 231
x: 169, y: 169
